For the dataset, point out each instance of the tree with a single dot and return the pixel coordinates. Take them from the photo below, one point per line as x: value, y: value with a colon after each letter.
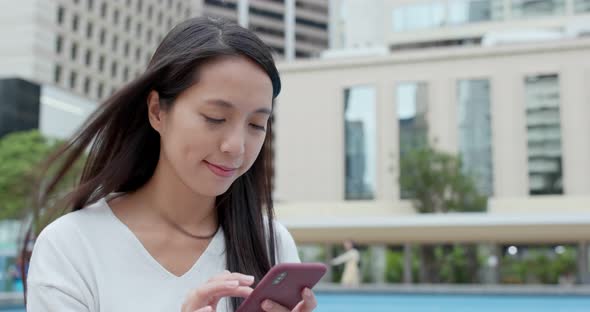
x: 437, y: 184
x: 21, y: 154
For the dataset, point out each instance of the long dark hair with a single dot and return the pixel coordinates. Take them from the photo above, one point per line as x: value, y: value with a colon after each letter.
x: 124, y: 149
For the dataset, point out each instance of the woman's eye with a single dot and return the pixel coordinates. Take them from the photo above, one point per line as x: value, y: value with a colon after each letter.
x: 213, y: 120
x: 257, y: 127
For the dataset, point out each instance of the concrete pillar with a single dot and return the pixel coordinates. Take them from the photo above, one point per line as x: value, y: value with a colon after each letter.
x: 378, y: 263
x: 583, y: 272
x: 407, y: 263
x: 329, y: 255
x: 491, y: 269
x: 243, y: 13
x: 289, y: 30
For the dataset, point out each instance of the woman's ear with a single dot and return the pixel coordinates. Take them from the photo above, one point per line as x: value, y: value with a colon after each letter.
x: 155, y: 113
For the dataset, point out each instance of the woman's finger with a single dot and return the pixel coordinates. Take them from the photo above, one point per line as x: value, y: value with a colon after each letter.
x: 210, y: 293
x: 309, y: 302
x: 245, y: 280
x: 205, y: 309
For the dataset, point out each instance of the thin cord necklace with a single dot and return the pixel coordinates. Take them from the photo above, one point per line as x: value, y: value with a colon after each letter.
x: 187, y: 233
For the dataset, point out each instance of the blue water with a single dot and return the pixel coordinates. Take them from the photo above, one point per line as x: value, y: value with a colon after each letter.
x: 439, y: 303
x: 450, y: 303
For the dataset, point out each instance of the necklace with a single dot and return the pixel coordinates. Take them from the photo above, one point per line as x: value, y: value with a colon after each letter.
x: 187, y: 233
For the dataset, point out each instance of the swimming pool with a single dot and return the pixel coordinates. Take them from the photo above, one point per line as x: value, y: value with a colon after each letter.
x: 450, y: 303
x: 329, y: 302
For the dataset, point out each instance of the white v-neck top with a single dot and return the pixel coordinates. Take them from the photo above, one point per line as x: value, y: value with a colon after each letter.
x: 90, y: 261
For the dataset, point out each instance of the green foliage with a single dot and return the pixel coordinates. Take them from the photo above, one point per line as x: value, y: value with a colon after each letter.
x: 21, y: 154
x: 394, y: 268
x: 538, y: 266
x: 437, y: 183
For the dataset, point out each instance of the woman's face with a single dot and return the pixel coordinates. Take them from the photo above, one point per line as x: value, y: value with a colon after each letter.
x: 214, y: 131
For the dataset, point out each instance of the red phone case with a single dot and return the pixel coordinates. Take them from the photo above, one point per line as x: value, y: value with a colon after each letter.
x: 288, y: 291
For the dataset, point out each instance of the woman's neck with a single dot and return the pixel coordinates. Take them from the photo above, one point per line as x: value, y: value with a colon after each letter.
x: 167, y: 198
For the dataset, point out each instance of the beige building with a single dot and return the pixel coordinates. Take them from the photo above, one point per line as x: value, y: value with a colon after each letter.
x: 311, y: 167
x: 88, y: 47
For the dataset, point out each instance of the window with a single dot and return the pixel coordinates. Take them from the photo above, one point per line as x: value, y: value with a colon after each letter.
x: 100, y: 90
x: 74, y: 51
x: 89, y: 30
x: 103, y: 9
x: 150, y: 11
x: 412, y: 107
x: 101, y: 63
x: 473, y: 11
x: 75, y: 23
x: 139, y: 6
x: 137, y: 53
x: 60, y: 15
x: 160, y: 16
x: 125, y: 73
x: 543, y: 134
x: 90, y: 4
x: 582, y: 6
x: 115, y: 43
x: 418, y: 16
x: 114, y: 69
x: 126, y: 48
x: 102, y: 36
x: 475, y: 132
x: 57, y: 74
x: 149, y: 36
x: 73, y: 78
x: 534, y: 8
x: 360, y: 142
x: 59, y: 44
x: 88, y: 57
x: 116, y: 17
x: 138, y: 29
x: 128, y: 23
x: 87, y: 85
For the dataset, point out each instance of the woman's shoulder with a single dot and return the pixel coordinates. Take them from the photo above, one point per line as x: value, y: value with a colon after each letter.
x: 286, y: 247
x: 76, y: 223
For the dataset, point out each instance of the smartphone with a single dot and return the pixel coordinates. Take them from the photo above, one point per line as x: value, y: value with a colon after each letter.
x: 283, y: 284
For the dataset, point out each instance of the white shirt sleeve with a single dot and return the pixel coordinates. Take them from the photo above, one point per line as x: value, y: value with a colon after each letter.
x: 54, y: 282
x: 286, y: 248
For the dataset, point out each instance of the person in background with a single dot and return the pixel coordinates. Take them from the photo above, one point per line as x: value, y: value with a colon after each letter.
x: 350, y: 258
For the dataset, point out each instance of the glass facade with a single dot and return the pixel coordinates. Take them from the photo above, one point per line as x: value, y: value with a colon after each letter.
x: 360, y: 118
x: 475, y: 132
x: 534, y: 8
x: 434, y: 14
x: 581, y: 6
x: 543, y: 134
x: 473, y: 11
x: 412, y: 105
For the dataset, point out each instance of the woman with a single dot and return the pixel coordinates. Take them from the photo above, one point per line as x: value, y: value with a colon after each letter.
x: 175, y: 192
x: 350, y: 258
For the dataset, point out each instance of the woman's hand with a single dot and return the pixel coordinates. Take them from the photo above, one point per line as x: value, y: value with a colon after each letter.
x: 206, y: 297
x: 308, y: 304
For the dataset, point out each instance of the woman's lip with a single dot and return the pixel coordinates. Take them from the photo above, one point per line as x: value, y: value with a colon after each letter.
x: 221, y: 171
